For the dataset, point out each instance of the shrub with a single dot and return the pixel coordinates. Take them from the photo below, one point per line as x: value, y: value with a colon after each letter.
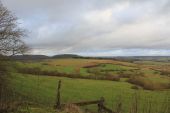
x: 125, y: 75
x: 134, y: 87
x: 38, y: 71
x: 147, y: 84
x: 109, y: 76
x: 165, y: 73
x: 91, y: 66
x: 45, y: 64
x: 34, y: 71
x: 140, y: 81
x: 116, y: 78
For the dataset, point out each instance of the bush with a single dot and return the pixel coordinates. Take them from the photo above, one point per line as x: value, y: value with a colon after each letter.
x: 147, y: 84
x: 125, y: 75
x: 45, y: 64
x: 116, y: 78
x: 140, y: 81
x: 38, y: 71
x: 135, y: 87
x: 109, y: 76
x: 165, y: 73
x: 7, y: 96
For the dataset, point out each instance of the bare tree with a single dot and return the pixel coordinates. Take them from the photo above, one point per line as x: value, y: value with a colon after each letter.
x: 10, y: 44
x: 10, y: 34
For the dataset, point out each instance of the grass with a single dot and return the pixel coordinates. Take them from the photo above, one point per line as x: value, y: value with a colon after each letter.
x: 99, y: 69
x: 42, y: 90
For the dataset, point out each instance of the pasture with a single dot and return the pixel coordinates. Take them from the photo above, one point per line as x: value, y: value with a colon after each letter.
x: 156, y: 75
x: 42, y: 91
x: 90, y: 79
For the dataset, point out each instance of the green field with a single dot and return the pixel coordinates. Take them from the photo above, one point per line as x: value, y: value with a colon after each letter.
x: 100, y: 69
x: 41, y: 91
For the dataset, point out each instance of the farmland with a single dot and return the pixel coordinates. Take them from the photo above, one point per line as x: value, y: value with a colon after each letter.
x: 117, y: 81
x: 84, y: 56
x: 100, y: 69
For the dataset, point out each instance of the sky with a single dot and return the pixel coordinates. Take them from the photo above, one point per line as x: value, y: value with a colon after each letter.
x: 95, y: 27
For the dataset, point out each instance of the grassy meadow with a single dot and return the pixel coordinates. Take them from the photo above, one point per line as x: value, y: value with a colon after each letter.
x: 145, y: 84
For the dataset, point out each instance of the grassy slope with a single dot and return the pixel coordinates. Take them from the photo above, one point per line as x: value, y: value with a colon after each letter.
x: 42, y: 90
x: 76, y: 66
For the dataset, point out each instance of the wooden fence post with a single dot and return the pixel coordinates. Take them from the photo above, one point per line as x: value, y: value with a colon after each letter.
x: 100, y: 104
x: 58, y: 103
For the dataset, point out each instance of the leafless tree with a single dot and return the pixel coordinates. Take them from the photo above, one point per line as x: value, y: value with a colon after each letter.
x: 10, y: 44
x: 10, y: 34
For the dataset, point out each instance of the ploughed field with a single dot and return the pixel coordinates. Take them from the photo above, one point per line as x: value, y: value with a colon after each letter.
x: 90, y: 79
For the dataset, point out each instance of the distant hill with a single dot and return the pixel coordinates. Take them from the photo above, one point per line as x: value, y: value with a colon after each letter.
x: 122, y: 58
x: 144, y: 58
x: 29, y: 57
x: 40, y: 57
x: 67, y: 56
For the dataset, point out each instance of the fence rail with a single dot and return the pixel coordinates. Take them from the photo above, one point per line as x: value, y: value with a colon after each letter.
x: 84, y: 103
x: 100, y: 103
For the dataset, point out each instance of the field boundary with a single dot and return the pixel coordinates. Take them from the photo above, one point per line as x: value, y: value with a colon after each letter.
x: 100, y: 103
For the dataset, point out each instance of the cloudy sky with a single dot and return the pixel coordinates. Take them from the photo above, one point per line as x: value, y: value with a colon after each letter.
x: 95, y: 27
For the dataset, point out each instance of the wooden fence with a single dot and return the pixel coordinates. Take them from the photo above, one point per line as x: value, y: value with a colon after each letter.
x: 100, y: 103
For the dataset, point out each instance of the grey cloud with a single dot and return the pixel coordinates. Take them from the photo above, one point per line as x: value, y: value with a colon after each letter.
x: 77, y: 26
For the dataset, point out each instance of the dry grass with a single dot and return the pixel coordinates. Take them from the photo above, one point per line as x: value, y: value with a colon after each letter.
x: 147, y: 84
x: 85, y: 62
x: 70, y: 108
